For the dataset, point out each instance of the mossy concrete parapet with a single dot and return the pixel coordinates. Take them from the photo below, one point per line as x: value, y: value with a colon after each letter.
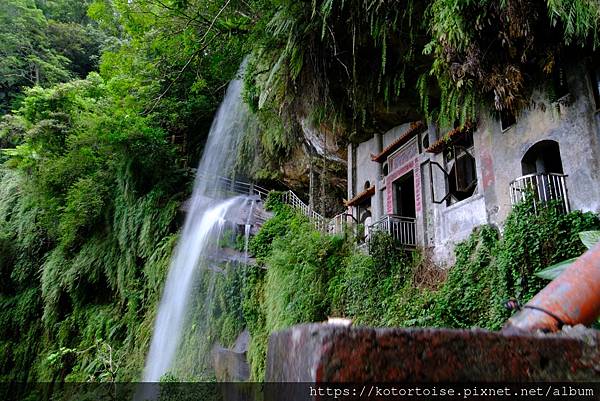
x: 321, y: 353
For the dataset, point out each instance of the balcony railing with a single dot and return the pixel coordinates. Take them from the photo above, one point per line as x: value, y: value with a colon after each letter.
x: 402, y: 229
x: 338, y: 223
x: 543, y: 187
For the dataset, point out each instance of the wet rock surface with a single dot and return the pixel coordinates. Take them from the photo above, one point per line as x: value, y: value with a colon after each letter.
x: 230, y: 363
x: 319, y: 353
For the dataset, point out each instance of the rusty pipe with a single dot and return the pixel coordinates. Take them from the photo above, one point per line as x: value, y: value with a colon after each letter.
x: 571, y: 298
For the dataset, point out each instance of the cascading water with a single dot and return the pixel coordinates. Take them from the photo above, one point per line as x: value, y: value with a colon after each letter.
x: 192, y: 267
x: 247, y: 228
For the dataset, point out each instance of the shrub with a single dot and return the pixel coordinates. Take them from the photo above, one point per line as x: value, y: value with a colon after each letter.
x: 310, y: 276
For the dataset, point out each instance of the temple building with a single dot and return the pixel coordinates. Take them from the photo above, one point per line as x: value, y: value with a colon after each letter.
x: 429, y: 186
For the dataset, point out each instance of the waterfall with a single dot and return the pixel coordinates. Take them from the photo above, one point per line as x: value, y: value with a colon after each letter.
x: 247, y: 228
x: 206, y: 221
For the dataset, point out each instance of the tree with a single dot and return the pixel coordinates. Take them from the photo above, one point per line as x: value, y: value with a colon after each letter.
x: 26, y: 57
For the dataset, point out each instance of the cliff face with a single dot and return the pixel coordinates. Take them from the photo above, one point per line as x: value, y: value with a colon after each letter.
x: 317, y: 165
x: 316, y: 168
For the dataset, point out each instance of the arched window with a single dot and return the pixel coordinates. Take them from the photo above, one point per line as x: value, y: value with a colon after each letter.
x: 543, y: 176
x: 542, y: 157
x: 365, y: 217
x: 385, y: 169
x: 367, y: 185
x: 425, y: 140
x: 366, y: 220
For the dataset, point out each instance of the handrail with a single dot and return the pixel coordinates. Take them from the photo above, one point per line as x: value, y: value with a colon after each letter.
x: 321, y: 223
x: 396, y: 217
x: 235, y: 186
x: 543, y: 187
x: 538, y: 174
x: 332, y: 226
x: 337, y: 223
x: 403, y: 229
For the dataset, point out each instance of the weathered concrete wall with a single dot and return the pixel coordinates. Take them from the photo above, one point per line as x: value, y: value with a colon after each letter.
x: 368, y: 170
x: 319, y: 353
x: 454, y: 224
x: 498, y: 154
x: 574, y: 125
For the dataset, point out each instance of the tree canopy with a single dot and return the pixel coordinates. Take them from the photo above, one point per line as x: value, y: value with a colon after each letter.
x: 105, y: 106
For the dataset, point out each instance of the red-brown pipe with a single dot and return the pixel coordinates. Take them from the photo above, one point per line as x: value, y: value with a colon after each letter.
x: 572, y: 298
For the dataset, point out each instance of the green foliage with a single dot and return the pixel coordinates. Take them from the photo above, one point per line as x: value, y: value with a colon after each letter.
x: 533, y: 241
x: 488, y: 271
x: 174, y: 62
x: 333, y: 64
x: 262, y: 243
x: 309, y: 276
x: 552, y: 272
x: 588, y: 238
x: 94, y: 170
x: 347, y: 63
x: 214, y: 320
x: 44, y: 44
x: 473, y: 292
x: 26, y: 59
x: 296, y: 280
x: 94, y: 165
x: 255, y: 319
x: 497, y: 52
x: 86, y: 228
x: 294, y: 288
x: 366, y: 286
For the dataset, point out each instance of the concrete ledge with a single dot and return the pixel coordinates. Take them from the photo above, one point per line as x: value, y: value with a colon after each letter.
x: 322, y: 353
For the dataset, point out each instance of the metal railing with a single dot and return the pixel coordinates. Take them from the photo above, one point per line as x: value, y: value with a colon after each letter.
x: 321, y: 223
x: 543, y: 187
x: 338, y: 223
x: 228, y: 185
x: 401, y: 229
x: 334, y: 225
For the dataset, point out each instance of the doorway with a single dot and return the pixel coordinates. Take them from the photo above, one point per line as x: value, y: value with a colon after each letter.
x: 404, y: 196
x: 542, y: 158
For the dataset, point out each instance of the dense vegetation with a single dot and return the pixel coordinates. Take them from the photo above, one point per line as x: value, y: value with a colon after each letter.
x: 93, y: 173
x: 105, y: 108
x: 310, y: 276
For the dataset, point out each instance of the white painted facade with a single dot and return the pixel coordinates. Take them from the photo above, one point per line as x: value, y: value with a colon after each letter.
x: 573, y: 124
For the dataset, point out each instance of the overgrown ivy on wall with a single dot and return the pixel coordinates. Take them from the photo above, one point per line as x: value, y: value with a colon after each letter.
x: 93, y: 170
x: 308, y: 276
